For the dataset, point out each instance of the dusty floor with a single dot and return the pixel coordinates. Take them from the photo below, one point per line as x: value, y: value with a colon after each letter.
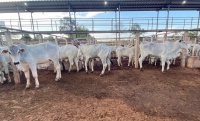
x: 124, y: 94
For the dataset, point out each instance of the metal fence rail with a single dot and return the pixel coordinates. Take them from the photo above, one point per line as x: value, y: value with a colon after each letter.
x: 104, y: 24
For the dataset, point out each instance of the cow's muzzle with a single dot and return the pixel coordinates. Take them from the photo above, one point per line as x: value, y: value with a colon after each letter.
x: 16, y: 63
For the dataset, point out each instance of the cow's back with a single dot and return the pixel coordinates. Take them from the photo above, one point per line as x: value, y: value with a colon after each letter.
x: 155, y: 48
x: 41, y: 52
x: 67, y: 50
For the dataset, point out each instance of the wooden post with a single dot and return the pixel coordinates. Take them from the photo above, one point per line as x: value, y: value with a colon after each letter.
x: 183, y: 58
x: 183, y: 55
x: 143, y: 39
x: 56, y: 40
x: 151, y: 38
x: 65, y: 41
x: 195, y: 40
x: 165, y: 37
x: 40, y: 38
x: 8, y: 38
x: 136, y: 50
x: 15, y: 71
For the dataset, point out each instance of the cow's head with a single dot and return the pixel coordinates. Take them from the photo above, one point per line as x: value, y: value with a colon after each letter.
x: 182, y: 44
x: 14, y: 52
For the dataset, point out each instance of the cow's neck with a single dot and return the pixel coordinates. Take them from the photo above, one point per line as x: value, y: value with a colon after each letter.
x: 175, y: 48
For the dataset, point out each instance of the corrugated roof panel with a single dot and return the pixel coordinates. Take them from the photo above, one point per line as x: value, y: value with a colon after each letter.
x: 95, y: 5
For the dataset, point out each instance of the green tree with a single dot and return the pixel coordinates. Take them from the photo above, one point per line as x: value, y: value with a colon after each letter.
x: 136, y: 26
x: 67, y: 24
x: 81, y: 28
x: 26, y: 37
x: 193, y: 34
x: 50, y: 38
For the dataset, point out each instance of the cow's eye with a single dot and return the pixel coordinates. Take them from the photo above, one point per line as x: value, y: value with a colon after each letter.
x: 18, y: 52
x: 9, y: 53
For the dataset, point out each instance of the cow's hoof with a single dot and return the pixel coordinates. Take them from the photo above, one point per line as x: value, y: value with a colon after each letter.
x: 92, y: 71
x: 87, y: 72
x: 27, y: 87
x: 37, y: 87
x: 101, y: 75
x: 141, y: 69
x: 57, y: 80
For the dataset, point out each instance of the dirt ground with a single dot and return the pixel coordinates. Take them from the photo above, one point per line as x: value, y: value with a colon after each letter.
x: 124, y: 94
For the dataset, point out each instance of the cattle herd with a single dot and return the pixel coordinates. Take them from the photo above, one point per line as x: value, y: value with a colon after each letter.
x: 30, y: 57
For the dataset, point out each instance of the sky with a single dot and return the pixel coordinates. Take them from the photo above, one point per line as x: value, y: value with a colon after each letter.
x: 103, y: 20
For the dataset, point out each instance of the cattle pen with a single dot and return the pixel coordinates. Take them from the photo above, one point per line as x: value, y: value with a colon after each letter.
x: 122, y: 94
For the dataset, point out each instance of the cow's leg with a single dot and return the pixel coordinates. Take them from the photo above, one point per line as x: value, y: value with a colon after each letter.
x: 119, y: 60
x: 103, y: 60
x: 86, y: 68
x: 129, y: 60
x: 71, y: 63
x: 77, y: 66
x: 83, y: 63
x: 141, y: 59
x: 174, y: 61
x: 35, y: 75
x: 109, y: 63
x: 163, y: 64
x: 132, y: 61
x: 149, y: 60
x: 168, y: 64
x: 2, y: 77
x: 58, y: 70
x: 7, y: 72
x: 92, y: 65
x: 27, y: 75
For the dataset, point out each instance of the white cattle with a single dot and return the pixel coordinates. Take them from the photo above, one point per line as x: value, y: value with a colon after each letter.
x: 72, y: 54
x: 190, y: 47
x: 44, y: 65
x: 2, y: 78
x: 196, y: 50
x: 5, y: 60
x: 153, y: 60
x: 125, y: 52
x: 175, y: 56
x: 113, y: 48
x: 27, y: 57
x: 96, y: 51
x: 166, y: 51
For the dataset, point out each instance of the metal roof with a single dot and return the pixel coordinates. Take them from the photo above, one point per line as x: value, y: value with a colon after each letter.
x: 7, y: 6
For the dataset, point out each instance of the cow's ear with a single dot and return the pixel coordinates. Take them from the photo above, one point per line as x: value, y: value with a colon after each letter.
x: 22, y: 50
x: 180, y: 40
x: 4, y: 51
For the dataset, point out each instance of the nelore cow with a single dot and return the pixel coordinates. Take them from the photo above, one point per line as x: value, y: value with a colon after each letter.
x: 27, y: 57
x: 166, y: 51
x: 125, y: 52
x: 96, y: 51
x: 4, y: 65
x: 72, y: 54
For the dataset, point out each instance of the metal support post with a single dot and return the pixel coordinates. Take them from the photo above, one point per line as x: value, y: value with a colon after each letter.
x: 119, y: 25
x: 20, y: 25
x: 116, y: 27
x: 137, y: 50
x: 167, y: 19
x: 157, y: 25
